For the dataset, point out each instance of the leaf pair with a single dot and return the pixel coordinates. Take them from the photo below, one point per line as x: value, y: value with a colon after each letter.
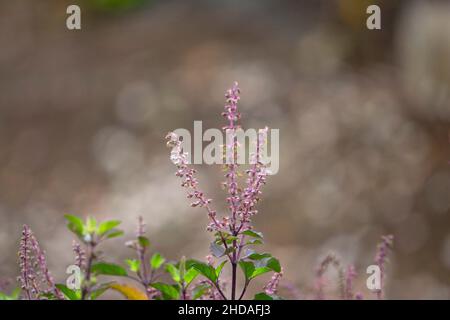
x: 209, y: 271
x: 85, y: 230
x: 262, y: 263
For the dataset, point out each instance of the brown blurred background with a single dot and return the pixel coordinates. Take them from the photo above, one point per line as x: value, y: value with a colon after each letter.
x: 364, y: 120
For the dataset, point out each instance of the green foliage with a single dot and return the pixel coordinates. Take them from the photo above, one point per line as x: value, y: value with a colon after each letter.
x: 69, y: 293
x: 91, y: 231
x: 263, y: 296
x: 108, y: 269
x: 169, y: 292
x: 220, y: 267
x: 247, y: 268
x: 143, y: 242
x: 262, y: 263
x: 200, y: 290
x: 206, y: 270
x: 253, y: 234
x: 133, y: 264
x: 107, y: 226
x: 174, y: 272
x: 13, y: 296
x: 156, y: 261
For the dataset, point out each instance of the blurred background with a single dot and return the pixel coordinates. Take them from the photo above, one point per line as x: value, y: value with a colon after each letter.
x: 364, y: 119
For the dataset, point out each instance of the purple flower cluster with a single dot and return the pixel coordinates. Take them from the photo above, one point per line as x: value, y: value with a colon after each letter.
x: 35, y: 278
x: 271, y: 287
x: 80, y: 255
x: 381, y: 259
x: 242, y: 205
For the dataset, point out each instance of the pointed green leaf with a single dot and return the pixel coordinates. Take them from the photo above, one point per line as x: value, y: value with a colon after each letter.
x: 247, y: 268
x: 200, y: 290
x: 168, y: 292
x: 220, y: 267
x: 144, y: 242
x: 274, y: 265
x: 206, y: 270
x: 91, y: 225
x: 114, y: 233
x: 259, y: 271
x: 69, y: 293
x: 190, y: 275
x: 174, y: 272
x: 133, y: 264
x: 156, y: 261
x: 253, y: 234
x: 107, y: 226
x: 75, y: 224
x: 259, y: 256
x: 109, y: 269
x: 254, y: 242
x: 262, y: 296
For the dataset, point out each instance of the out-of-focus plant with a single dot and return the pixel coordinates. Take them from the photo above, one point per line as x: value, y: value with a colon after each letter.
x: 14, y: 295
x: 145, y: 268
x: 347, y: 276
x: 89, y: 259
x: 35, y: 279
x: 234, y: 234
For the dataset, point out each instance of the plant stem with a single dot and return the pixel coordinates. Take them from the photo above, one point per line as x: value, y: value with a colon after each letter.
x: 220, y: 291
x: 233, y: 281
x: 87, y: 280
x: 243, y: 290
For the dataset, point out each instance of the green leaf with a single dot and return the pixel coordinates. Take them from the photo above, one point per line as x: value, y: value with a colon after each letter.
x: 190, y: 275
x: 97, y: 293
x: 114, y: 233
x: 156, y: 261
x: 219, y: 268
x: 253, y: 234
x: 69, y: 293
x: 259, y: 271
x: 15, y: 294
x: 274, y: 265
x: 133, y: 264
x: 247, y: 268
x: 206, y: 270
x: 169, y: 292
x: 200, y: 290
x: 174, y: 272
x: 262, y: 296
x: 254, y: 242
x: 190, y: 263
x: 143, y: 241
x: 91, y: 225
x: 216, y: 250
x: 107, y: 226
x: 4, y: 296
x: 75, y: 224
x: 109, y: 269
x: 259, y: 256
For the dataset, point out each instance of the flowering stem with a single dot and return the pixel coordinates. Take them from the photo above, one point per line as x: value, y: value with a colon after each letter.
x: 233, y: 280
x: 90, y: 260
